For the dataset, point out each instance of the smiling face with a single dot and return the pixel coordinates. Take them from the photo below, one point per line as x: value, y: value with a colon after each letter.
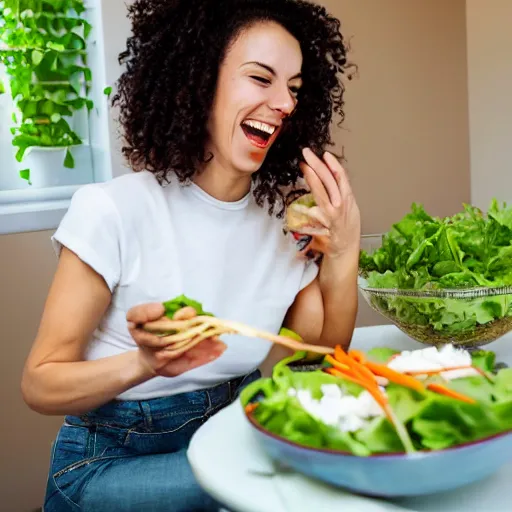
x: 257, y: 89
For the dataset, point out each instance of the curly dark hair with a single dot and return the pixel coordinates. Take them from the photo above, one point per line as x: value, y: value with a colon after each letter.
x: 172, y: 63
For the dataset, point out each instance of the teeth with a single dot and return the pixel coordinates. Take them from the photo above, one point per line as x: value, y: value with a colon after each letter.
x: 267, y: 128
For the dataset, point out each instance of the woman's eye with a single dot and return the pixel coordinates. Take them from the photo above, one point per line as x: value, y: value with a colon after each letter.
x: 295, y: 90
x: 262, y: 80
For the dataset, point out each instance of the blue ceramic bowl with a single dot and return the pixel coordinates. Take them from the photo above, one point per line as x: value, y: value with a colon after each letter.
x: 392, y: 475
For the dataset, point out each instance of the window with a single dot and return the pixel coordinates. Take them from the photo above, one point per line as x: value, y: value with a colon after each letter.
x: 55, y: 173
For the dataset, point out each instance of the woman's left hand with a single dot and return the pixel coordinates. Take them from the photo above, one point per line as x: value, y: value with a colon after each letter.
x: 336, y: 208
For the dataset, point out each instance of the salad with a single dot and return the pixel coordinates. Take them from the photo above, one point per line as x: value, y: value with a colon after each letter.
x: 429, y: 255
x: 385, y: 401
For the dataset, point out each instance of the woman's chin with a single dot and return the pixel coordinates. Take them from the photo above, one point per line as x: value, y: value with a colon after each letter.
x: 251, y: 162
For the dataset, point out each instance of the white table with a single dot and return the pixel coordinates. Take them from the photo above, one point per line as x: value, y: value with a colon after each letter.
x: 229, y: 464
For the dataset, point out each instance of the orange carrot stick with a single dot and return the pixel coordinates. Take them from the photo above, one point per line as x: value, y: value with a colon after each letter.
x: 367, y: 374
x: 357, y: 356
x: 343, y: 375
x: 337, y: 364
x: 341, y: 356
x: 443, y: 390
x: 396, y: 377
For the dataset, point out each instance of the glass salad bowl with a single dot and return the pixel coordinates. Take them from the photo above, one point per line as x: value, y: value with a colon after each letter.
x: 468, y: 317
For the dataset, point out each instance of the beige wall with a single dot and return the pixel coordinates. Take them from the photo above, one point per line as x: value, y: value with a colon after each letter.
x: 25, y: 274
x: 489, y: 41
x: 406, y: 128
x: 405, y: 137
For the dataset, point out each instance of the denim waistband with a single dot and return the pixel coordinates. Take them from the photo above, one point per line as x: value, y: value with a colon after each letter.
x: 129, y: 412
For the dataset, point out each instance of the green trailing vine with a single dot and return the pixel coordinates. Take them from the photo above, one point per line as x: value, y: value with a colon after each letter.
x: 43, y: 46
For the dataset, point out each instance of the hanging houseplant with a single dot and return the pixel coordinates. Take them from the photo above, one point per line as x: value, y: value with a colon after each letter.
x: 43, y: 48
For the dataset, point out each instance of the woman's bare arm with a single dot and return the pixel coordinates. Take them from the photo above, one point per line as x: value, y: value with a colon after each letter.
x: 56, y: 380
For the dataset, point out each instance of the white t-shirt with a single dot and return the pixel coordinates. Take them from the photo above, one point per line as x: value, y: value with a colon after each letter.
x: 152, y: 243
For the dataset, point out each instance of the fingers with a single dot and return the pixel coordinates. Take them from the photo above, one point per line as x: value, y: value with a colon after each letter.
x: 205, y: 352
x: 315, y: 185
x: 325, y: 179
x: 146, y: 339
x: 185, y: 313
x: 145, y: 313
x: 138, y: 316
x: 339, y: 173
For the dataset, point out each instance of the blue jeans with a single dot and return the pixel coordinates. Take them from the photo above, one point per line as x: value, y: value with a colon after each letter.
x: 131, y: 455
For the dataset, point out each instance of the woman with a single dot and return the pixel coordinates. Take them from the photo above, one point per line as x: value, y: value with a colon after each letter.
x: 222, y: 111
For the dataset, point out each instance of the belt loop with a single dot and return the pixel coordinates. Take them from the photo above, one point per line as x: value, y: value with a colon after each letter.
x: 145, y: 410
x: 209, y: 404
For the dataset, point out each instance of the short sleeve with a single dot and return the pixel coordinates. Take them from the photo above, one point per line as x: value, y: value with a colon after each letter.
x: 91, y: 228
x: 309, y: 275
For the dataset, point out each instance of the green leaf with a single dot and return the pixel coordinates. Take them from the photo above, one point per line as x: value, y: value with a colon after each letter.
x: 484, y: 359
x: 25, y: 174
x: 75, y: 82
x: 55, y: 46
x: 173, y: 305
x: 107, y: 91
x: 381, y: 354
x: 380, y: 437
x: 477, y: 387
x: 2, y: 88
x: 503, y: 385
x: 87, y: 29
x: 69, y: 161
x: 37, y: 57
x: 289, y: 334
x: 503, y: 411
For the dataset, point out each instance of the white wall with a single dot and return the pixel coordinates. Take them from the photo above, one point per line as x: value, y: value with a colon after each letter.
x: 489, y: 43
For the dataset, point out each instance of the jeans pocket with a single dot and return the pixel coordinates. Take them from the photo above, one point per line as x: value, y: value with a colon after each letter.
x: 73, y: 445
x: 71, y: 448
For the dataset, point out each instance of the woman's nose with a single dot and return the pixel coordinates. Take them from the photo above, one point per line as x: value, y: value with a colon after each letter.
x: 283, y: 101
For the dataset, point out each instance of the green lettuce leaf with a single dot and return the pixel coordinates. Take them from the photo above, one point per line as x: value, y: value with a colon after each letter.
x: 484, y: 360
x: 503, y: 385
x: 445, y: 422
x: 173, y: 305
x: 380, y: 437
x: 381, y: 354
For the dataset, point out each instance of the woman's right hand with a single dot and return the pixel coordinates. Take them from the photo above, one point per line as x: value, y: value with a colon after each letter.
x: 156, y: 359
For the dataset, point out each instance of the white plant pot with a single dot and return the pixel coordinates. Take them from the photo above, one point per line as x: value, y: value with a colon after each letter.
x: 47, y: 169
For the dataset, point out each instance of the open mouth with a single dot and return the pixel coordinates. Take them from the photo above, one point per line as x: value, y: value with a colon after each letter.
x: 258, y: 133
